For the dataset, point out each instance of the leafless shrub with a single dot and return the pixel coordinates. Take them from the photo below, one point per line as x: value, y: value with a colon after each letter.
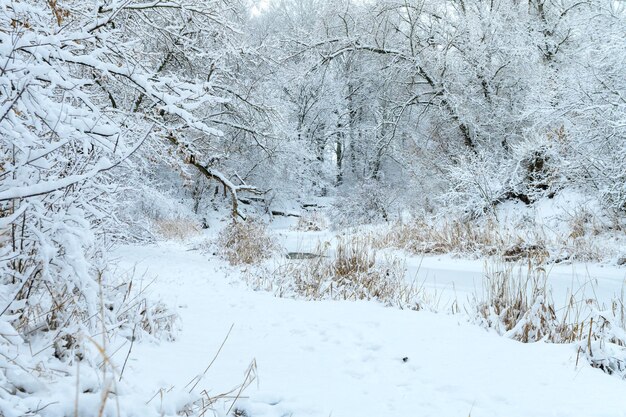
x: 127, y: 301
x: 126, y: 309
x: 604, y: 348
x: 246, y: 242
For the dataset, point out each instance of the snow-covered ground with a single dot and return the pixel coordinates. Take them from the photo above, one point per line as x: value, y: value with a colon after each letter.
x: 332, y: 358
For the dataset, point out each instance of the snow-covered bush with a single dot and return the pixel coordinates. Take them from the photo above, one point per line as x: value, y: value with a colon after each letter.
x: 43, y: 359
x: 476, y: 182
x: 55, y: 142
x: 369, y: 202
x: 57, y: 148
x: 68, y: 86
x: 532, y: 169
x: 134, y: 312
x: 537, y: 170
x: 597, y: 331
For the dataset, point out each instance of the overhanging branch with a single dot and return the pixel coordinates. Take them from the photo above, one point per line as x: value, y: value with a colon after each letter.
x: 213, y: 174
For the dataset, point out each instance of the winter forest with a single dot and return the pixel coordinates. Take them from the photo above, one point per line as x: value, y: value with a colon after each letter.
x: 312, y: 208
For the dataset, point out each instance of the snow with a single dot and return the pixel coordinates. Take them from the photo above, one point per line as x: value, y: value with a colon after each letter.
x: 346, y: 358
x: 44, y: 187
x: 454, y: 120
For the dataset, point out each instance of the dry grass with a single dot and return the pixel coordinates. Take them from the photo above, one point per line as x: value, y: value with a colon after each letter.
x: 422, y: 237
x: 130, y: 303
x: 599, y: 331
x: 352, y: 272
x: 246, y: 242
x: 581, y: 240
x: 177, y: 229
x: 517, y: 303
x: 204, y: 402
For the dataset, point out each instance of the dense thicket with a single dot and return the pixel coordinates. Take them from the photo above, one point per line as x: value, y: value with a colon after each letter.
x: 458, y: 104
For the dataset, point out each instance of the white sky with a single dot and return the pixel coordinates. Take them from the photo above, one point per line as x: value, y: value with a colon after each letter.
x: 259, y: 6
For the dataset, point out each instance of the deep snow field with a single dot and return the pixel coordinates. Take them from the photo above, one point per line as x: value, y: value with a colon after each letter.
x: 353, y: 359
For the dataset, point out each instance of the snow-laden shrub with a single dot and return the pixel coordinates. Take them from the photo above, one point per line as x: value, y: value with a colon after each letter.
x: 517, y: 303
x: 246, y: 242
x: 368, y: 202
x: 41, y: 356
x: 537, y: 168
x: 54, y: 143
x: 528, y: 171
x: 598, y: 333
x: 612, y: 179
x: 476, y: 182
x: 135, y: 313
x: 59, y: 148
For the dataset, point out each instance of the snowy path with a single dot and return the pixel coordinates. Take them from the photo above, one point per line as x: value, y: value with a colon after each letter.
x: 345, y: 359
